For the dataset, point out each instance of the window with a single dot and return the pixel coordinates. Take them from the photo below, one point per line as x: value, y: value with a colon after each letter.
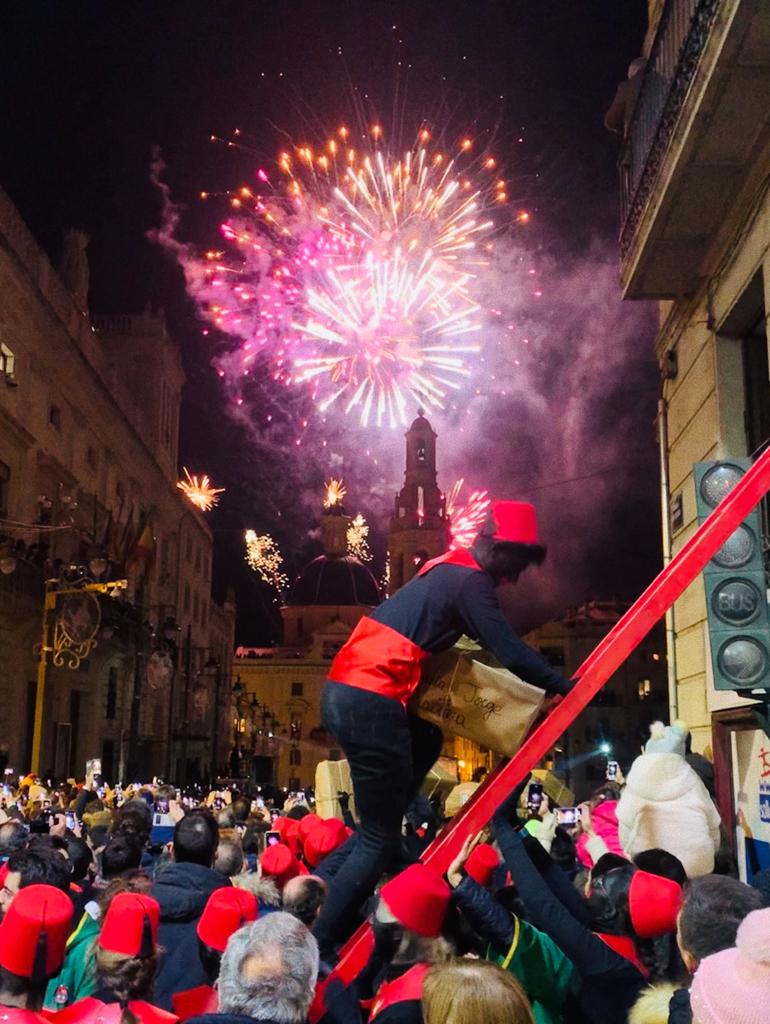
x: 112, y: 694
x: 296, y: 689
x: 91, y: 458
x: 7, y: 360
x: 5, y: 483
x: 421, y: 453
x: 295, y: 756
x: 54, y: 416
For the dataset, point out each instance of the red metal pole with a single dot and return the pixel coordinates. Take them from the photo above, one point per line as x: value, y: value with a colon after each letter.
x: 600, y: 665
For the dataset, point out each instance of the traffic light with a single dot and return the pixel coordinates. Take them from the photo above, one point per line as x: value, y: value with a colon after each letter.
x: 736, y: 587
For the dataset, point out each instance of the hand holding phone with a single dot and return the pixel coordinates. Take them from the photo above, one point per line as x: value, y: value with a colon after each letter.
x: 567, y: 816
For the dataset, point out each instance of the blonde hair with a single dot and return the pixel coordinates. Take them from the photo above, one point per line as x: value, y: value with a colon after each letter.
x: 469, y: 991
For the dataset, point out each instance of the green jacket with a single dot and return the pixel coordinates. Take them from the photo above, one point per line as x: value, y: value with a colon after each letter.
x: 545, y: 973
x: 77, y: 978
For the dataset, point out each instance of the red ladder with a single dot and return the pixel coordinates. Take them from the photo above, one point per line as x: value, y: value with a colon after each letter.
x: 601, y: 664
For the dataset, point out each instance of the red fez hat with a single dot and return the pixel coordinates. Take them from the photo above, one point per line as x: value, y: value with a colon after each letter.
x: 482, y: 863
x: 515, y: 522
x: 418, y: 899
x: 280, y: 824
x: 307, y: 824
x: 131, y: 925
x: 654, y: 903
x: 323, y: 840
x: 290, y: 836
x: 279, y: 862
x: 226, y: 910
x: 34, y: 932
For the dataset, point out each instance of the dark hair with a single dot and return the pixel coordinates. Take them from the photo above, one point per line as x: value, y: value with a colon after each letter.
x: 80, y: 855
x: 504, y: 560
x: 127, y: 977
x: 606, y: 863
x: 196, y: 838
x: 712, y: 910
x: 41, y: 866
x: 564, y: 851
x: 133, y: 818
x: 229, y: 860
x: 309, y: 895
x: 13, y: 837
x: 608, y: 901
x: 16, y: 985
x: 122, y: 853
x: 241, y: 809
x: 663, y: 863
x: 251, y: 838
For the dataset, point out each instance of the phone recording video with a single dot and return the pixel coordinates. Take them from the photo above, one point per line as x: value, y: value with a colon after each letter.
x: 612, y: 771
x: 534, y: 795
x: 70, y: 821
x: 567, y: 815
x: 161, y: 806
x: 272, y: 838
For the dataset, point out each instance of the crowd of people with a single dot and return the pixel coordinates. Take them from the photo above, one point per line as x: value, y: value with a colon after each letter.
x: 147, y: 906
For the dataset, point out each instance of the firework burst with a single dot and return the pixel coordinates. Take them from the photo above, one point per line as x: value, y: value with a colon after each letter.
x: 354, y: 272
x: 264, y: 557
x: 466, y: 515
x: 198, y: 491
x: 334, y: 493
x: 357, y: 537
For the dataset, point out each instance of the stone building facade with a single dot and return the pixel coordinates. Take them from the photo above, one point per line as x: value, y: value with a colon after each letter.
x: 695, y: 238
x: 89, y: 420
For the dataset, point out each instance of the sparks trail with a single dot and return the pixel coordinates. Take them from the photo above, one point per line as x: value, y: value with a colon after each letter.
x: 353, y: 271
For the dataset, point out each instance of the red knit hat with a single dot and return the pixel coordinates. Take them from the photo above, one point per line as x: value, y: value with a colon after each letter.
x: 482, y: 863
x: 131, y: 925
x: 279, y: 863
x: 515, y: 522
x: 653, y: 903
x: 323, y: 840
x: 34, y: 931
x: 418, y: 899
x: 307, y: 824
x: 226, y: 910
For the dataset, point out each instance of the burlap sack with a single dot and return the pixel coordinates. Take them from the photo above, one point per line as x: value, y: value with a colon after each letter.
x: 331, y: 778
x: 477, y: 699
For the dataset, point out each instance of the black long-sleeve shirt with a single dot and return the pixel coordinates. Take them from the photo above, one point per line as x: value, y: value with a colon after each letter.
x: 436, y: 609
x: 611, y: 984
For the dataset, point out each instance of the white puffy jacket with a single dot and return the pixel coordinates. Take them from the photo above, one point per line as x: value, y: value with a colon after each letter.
x: 666, y: 806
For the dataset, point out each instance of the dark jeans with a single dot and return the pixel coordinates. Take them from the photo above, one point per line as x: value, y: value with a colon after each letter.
x: 389, y: 753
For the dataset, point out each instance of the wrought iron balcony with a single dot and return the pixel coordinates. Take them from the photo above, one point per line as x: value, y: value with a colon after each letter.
x: 698, y: 131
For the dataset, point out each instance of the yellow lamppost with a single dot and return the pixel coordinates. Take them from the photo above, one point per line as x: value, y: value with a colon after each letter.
x: 74, y: 637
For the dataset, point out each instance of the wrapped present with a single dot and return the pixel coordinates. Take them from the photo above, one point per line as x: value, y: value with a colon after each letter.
x: 466, y: 693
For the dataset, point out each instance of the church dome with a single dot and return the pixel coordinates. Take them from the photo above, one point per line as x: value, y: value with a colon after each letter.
x: 335, y: 581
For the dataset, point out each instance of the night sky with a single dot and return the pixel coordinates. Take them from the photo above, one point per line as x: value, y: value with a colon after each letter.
x: 92, y: 88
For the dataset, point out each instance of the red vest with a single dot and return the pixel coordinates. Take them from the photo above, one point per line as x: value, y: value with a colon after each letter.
x: 15, y: 1015
x: 94, y: 1011
x: 624, y: 946
x: 378, y: 658
x: 194, y: 1002
x: 400, y: 990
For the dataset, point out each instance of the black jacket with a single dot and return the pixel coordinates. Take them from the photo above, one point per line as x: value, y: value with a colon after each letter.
x: 182, y: 891
x: 222, y: 1018
x: 679, y: 1009
x: 610, y: 983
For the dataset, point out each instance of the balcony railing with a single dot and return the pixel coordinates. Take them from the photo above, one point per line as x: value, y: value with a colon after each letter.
x: 679, y: 42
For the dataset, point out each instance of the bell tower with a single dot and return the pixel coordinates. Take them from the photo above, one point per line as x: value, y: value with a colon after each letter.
x: 419, y: 529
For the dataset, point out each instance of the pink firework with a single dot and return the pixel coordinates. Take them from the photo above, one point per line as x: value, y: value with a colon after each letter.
x: 466, y: 515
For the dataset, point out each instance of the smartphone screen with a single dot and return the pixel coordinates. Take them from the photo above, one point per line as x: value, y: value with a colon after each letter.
x: 612, y: 771
x: 568, y: 815
x: 535, y: 794
x: 70, y: 821
x: 272, y: 838
x: 161, y: 806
